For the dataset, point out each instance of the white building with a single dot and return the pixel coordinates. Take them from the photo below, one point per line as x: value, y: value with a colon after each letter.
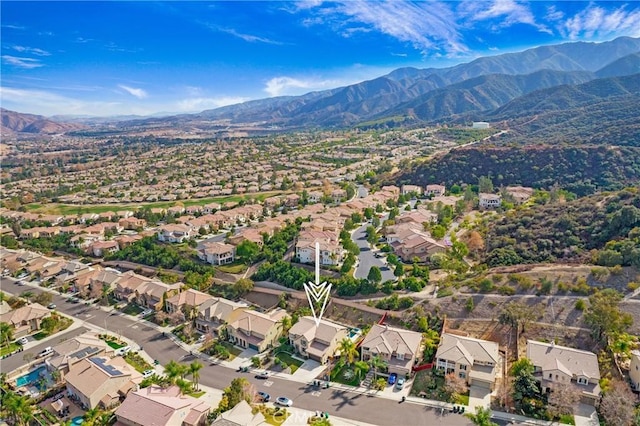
x: 480, y: 125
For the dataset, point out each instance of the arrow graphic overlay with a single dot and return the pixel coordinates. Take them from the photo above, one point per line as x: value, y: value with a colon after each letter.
x: 317, y: 291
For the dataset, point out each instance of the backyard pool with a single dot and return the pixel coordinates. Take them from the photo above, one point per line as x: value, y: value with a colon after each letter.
x: 354, y: 332
x: 30, y: 378
x: 77, y: 421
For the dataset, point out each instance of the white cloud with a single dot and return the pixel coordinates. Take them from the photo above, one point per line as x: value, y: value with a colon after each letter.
x: 49, y: 103
x: 246, y: 37
x: 426, y: 25
x: 20, y: 62
x: 508, y: 12
x: 31, y: 50
x: 553, y: 14
x: 201, y: 104
x: 597, y: 22
x: 133, y: 91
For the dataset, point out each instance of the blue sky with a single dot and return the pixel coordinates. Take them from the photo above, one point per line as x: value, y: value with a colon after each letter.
x: 113, y: 58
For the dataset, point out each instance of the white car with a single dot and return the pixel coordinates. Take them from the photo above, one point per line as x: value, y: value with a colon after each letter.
x: 284, y: 401
x: 148, y: 373
x: 22, y: 341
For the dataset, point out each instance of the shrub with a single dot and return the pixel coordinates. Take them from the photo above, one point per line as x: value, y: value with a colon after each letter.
x: 506, y: 290
x: 580, y: 305
x: 470, y: 305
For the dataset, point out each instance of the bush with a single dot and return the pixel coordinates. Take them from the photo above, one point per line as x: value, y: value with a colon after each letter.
x: 470, y: 305
x: 580, y: 305
x: 506, y: 290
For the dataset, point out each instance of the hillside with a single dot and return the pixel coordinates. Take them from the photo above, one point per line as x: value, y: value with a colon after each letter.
x: 580, y: 170
x: 380, y: 97
x: 484, y: 93
x: 28, y: 123
x: 569, y: 231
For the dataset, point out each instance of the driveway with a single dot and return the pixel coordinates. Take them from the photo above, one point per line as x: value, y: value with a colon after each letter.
x: 586, y: 415
x: 479, y: 397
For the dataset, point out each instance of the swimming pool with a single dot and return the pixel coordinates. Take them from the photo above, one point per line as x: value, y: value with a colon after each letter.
x: 30, y: 378
x: 354, y: 332
x: 76, y: 421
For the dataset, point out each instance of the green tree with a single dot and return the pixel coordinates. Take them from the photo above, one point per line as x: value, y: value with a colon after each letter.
x: 348, y: 350
x: 248, y: 251
x: 239, y: 389
x: 360, y: 368
x: 243, y: 286
x: 6, y: 333
x: 374, y: 275
x: 482, y: 417
x: 485, y: 184
x: 194, y: 371
x: 604, y: 316
x: 377, y: 364
x: 398, y: 271
x: 18, y: 408
x: 172, y: 370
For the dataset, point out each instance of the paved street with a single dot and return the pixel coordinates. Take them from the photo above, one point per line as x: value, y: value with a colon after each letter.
x: 367, y: 258
x: 337, y: 402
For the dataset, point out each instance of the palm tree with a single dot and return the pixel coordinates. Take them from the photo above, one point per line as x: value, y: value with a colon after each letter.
x: 172, y: 371
x: 360, y: 367
x: 185, y: 386
x: 17, y: 407
x: 194, y: 370
x: 6, y: 333
x: 348, y: 350
x: 377, y: 363
x: 91, y: 416
x: 481, y: 418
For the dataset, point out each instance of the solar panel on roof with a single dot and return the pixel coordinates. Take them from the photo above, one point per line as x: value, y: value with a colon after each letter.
x: 109, y: 369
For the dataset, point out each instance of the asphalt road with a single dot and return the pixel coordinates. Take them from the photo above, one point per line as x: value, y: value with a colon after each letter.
x: 367, y: 258
x: 346, y: 404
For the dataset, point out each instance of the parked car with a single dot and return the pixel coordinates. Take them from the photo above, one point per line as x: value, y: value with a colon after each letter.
x: 400, y: 383
x: 264, y: 397
x: 262, y: 375
x: 148, y: 373
x: 392, y: 378
x: 45, y: 352
x: 122, y: 351
x: 284, y: 401
x: 22, y: 341
x: 146, y: 312
x: 51, y: 306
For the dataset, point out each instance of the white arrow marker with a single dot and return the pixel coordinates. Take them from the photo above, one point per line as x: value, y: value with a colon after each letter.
x: 316, y: 291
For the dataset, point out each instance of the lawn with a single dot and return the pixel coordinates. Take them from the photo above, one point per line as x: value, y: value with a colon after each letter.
x: 233, y: 268
x: 61, y: 324
x: 132, y: 309
x: 57, y: 208
x: 345, y: 375
x: 274, y: 416
x: 5, y: 350
x: 234, y: 351
x: 430, y: 385
x: 292, y: 362
x: 137, y: 362
x: 115, y: 345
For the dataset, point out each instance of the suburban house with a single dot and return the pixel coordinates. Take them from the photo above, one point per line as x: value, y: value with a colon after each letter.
x: 101, y: 382
x: 634, y: 370
x: 489, y: 201
x: 417, y: 245
x: 128, y: 284
x: 398, y: 347
x: 103, y: 248
x: 174, y: 233
x: 435, y: 190
x: 240, y: 415
x: 158, y: 406
x: 151, y: 293
x: 337, y: 195
x: 189, y: 298
x: 556, y: 364
x: 256, y: 330
x: 74, y: 350
x: 411, y: 189
x: 25, y: 320
x: 216, y: 312
x: 474, y: 360
x: 318, y: 342
x: 330, y: 251
x: 217, y: 253
x: 314, y: 197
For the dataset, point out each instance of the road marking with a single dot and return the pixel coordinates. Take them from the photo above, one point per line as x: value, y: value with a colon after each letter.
x: 316, y: 393
x: 89, y: 316
x: 134, y: 326
x: 268, y: 383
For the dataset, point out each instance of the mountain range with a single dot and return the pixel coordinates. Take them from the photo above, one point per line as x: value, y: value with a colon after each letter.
x: 493, y: 88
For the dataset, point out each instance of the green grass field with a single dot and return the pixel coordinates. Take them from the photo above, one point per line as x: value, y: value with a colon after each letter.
x: 71, y: 209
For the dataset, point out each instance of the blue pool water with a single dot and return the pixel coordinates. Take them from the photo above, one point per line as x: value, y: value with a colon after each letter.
x: 77, y: 421
x: 30, y: 378
x: 353, y: 332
